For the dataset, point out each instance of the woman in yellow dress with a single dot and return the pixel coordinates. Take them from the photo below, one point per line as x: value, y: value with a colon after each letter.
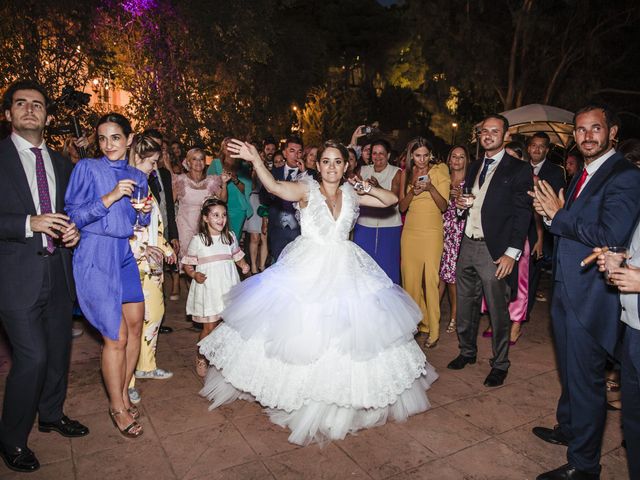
x: 424, y: 195
x: 150, y: 250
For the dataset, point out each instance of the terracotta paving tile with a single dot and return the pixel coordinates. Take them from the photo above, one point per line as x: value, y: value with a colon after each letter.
x: 90, y: 398
x: 204, y: 451
x: 438, y: 469
x: 239, y: 409
x: 314, y: 462
x: 613, y: 468
x: 529, y: 400
x: 493, y: 460
x: 488, y: 413
x: 264, y: 437
x: 449, y: 388
x: 382, y: 452
x: 183, y: 382
x: 443, y: 432
x: 50, y: 447
x: 126, y: 462
x: 60, y: 471
x: 85, y: 373
x: 181, y: 414
x: 248, y: 471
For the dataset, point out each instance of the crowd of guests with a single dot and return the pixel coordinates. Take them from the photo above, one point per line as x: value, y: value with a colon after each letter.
x: 480, y: 231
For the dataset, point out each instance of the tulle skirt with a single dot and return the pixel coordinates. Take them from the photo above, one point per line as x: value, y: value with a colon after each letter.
x: 324, y: 340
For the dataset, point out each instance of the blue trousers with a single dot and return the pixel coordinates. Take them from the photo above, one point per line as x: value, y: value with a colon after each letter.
x: 581, y: 409
x: 383, y: 245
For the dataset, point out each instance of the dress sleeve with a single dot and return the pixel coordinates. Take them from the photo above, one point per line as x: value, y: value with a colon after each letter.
x: 236, y: 253
x: 442, y: 181
x: 82, y: 204
x: 191, y: 258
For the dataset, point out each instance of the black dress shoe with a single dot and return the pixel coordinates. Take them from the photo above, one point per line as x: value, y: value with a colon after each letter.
x: 495, y: 378
x: 20, y: 459
x: 165, y: 330
x: 567, y: 472
x: 460, y: 362
x: 65, y: 427
x: 551, y: 435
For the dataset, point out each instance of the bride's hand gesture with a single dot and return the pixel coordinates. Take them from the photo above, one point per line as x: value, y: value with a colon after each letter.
x: 360, y: 186
x: 243, y: 150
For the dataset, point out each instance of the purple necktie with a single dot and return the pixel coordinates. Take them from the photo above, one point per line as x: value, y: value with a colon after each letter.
x: 43, y: 191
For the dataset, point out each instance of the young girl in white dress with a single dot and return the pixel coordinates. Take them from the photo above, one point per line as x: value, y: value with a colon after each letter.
x: 323, y: 338
x: 211, y: 262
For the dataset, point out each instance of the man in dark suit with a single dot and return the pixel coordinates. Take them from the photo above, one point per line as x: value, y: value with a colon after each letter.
x: 36, y: 283
x: 494, y: 234
x: 554, y: 175
x: 283, y: 226
x: 602, y: 206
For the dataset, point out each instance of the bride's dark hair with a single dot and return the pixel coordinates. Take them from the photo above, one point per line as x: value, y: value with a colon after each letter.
x: 344, y: 153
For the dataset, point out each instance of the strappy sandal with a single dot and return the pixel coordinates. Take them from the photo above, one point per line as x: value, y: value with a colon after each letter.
x: 452, y: 326
x: 431, y: 343
x: 134, y: 412
x: 133, y: 430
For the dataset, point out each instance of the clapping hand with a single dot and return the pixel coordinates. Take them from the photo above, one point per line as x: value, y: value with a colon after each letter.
x: 244, y: 150
x: 545, y: 200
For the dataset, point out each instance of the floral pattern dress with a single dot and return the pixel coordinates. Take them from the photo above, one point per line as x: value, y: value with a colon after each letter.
x: 453, y: 230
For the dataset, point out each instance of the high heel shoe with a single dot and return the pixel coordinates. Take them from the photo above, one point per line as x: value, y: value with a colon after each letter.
x: 133, y: 430
x: 452, y: 326
x: 431, y: 343
x: 134, y: 412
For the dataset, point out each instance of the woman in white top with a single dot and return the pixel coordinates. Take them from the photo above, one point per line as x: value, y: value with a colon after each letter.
x: 378, y: 231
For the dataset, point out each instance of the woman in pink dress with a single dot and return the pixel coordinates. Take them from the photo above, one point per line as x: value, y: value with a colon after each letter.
x: 190, y: 190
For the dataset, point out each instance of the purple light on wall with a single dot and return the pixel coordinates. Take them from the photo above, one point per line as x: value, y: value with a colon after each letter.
x: 138, y: 7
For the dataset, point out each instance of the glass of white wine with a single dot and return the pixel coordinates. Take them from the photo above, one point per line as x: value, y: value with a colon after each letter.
x: 138, y: 201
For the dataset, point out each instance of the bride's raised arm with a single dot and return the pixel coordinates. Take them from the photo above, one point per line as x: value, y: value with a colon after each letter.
x: 290, y: 191
x: 371, y: 196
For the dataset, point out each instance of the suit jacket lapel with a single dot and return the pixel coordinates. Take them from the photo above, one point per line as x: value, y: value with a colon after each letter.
x: 16, y: 171
x: 594, y: 183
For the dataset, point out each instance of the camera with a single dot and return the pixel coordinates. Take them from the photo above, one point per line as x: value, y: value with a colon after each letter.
x: 367, y: 130
x: 73, y: 99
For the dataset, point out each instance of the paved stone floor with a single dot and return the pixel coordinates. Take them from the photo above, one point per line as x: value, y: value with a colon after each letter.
x: 471, y: 432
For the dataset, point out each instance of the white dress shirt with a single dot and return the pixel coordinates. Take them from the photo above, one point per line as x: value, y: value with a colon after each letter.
x: 594, y: 166
x: 28, y: 160
x: 536, y: 168
x: 288, y: 169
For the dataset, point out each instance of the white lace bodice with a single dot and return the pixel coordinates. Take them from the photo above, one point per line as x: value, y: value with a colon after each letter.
x: 316, y: 220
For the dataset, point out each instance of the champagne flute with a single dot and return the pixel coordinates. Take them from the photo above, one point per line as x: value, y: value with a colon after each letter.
x: 138, y: 201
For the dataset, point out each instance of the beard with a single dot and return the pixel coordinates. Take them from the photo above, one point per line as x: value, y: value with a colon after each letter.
x: 594, y: 153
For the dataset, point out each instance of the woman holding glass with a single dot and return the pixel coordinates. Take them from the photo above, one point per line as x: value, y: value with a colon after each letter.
x: 151, y: 250
x: 105, y: 198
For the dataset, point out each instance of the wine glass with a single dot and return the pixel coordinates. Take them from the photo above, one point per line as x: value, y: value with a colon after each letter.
x: 138, y: 200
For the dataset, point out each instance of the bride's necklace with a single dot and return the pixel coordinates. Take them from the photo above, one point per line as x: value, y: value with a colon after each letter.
x: 331, y: 202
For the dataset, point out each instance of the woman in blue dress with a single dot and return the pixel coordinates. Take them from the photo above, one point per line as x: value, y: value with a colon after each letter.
x: 98, y: 200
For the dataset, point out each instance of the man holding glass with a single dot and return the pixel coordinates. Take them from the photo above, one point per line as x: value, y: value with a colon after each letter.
x: 36, y: 281
x: 601, y: 208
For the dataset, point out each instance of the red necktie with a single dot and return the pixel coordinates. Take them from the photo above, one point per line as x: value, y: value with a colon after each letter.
x: 581, y: 181
x: 43, y: 191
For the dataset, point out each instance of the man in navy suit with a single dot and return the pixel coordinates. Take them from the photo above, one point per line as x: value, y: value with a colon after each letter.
x: 36, y: 281
x: 554, y: 175
x: 601, y: 208
x: 283, y: 225
x: 494, y: 234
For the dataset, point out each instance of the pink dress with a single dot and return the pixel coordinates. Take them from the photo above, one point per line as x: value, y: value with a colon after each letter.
x: 190, y: 195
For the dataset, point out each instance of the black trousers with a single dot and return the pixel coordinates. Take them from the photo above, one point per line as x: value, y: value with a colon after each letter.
x: 279, y: 238
x: 40, y: 337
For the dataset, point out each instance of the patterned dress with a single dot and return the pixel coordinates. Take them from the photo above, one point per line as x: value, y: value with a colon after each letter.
x: 453, y: 230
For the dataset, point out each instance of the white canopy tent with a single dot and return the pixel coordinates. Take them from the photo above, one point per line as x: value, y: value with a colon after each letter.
x: 554, y: 121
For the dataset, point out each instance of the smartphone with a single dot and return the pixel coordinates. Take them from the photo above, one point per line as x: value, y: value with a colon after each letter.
x: 423, y: 178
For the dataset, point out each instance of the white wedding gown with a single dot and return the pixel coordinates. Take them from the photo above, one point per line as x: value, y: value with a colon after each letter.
x: 322, y: 338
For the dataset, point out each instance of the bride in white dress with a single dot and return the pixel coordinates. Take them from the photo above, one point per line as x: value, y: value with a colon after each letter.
x: 323, y: 338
